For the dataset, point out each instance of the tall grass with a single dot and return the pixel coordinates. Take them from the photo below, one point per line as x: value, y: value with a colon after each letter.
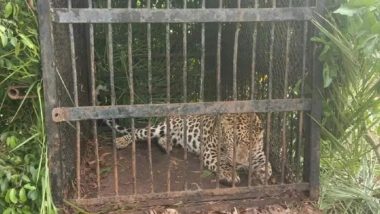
x: 24, y: 175
x: 350, y: 175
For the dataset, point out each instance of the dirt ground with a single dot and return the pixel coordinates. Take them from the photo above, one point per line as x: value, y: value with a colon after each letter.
x: 182, y: 174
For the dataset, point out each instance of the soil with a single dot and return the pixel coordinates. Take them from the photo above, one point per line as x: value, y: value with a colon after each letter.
x: 189, y: 174
x: 183, y: 174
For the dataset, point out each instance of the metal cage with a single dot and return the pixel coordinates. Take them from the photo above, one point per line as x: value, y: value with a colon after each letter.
x: 214, y: 57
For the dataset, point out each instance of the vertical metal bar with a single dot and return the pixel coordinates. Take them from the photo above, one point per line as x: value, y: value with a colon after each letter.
x: 168, y: 57
x: 93, y: 99
x: 284, y: 142
x: 234, y: 152
x: 76, y: 103
x: 253, y: 65
x: 253, y: 70
x: 168, y: 136
x: 184, y: 119
x: 50, y: 98
x: 218, y: 57
x: 301, y: 113
x: 218, y: 97
x: 113, y: 101
x: 251, y: 131
x: 132, y: 100
x: 235, y: 95
x: 184, y: 43
x: 316, y: 115
x: 201, y: 95
x: 202, y: 57
x: 235, y: 57
x: 270, y: 86
x: 149, y: 41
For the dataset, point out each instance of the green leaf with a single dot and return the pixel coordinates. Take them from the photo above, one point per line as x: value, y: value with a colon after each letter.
x: 346, y: 11
x: 27, y: 41
x: 4, y: 39
x: 17, y: 48
x: 8, y: 9
x: 28, y: 186
x: 22, y: 195
x: 14, y: 41
x: 25, y: 178
x: 327, y: 80
x: 9, y: 210
x: 33, y: 195
x: 12, y: 142
x: 361, y: 3
x: 4, y: 185
x: 13, y: 195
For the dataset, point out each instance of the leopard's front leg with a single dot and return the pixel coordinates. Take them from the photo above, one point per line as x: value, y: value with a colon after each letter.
x: 210, y: 161
x: 260, y: 169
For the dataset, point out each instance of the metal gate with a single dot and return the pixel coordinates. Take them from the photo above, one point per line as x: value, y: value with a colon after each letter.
x: 280, y: 59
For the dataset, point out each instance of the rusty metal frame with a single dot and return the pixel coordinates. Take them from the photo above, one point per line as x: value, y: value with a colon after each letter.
x: 160, y: 110
x: 55, y: 114
x: 119, y: 15
x: 170, y: 198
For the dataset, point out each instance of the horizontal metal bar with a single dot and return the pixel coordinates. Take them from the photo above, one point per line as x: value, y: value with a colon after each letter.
x: 162, y: 110
x: 125, y: 15
x: 167, y: 198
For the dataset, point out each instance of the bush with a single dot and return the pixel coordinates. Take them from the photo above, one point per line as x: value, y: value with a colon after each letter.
x: 24, y: 177
x: 351, y: 56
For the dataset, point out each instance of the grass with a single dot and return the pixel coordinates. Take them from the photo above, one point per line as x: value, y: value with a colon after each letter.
x: 350, y: 170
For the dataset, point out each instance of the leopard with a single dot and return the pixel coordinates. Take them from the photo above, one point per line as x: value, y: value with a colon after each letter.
x: 205, y: 135
x: 217, y: 138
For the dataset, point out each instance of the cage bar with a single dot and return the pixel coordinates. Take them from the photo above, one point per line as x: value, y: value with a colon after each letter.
x: 235, y: 95
x: 253, y: 65
x: 234, y: 152
x: 209, y: 195
x: 304, y: 70
x: 201, y: 97
x: 201, y: 94
x: 113, y: 101
x: 218, y: 95
x: 161, y: 110
x: 76, y: 104
x: 315, y: 135
x: 270, y: 88
x: 149, y: 44
x: 132, y: 100
x: 235, y: 58
x: 184, y: 70
x: 253, y: 71
x: 168, y: 135
x: 93, y: 99
x: 218, y: 57
x: 284, y: 119
x: 123, y: 15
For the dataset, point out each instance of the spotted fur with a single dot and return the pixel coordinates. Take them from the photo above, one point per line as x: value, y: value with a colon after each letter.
x: 203, y: 132
x: 202, y: 135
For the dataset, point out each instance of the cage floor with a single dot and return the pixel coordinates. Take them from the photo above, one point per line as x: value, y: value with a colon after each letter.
x: 181, y: 174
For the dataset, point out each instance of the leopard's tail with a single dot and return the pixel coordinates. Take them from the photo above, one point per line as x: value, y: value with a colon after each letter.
x: 140, y: 134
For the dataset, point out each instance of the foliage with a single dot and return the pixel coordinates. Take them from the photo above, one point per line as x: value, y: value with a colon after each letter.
x: 351, y: 53
x: 24, y: 180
